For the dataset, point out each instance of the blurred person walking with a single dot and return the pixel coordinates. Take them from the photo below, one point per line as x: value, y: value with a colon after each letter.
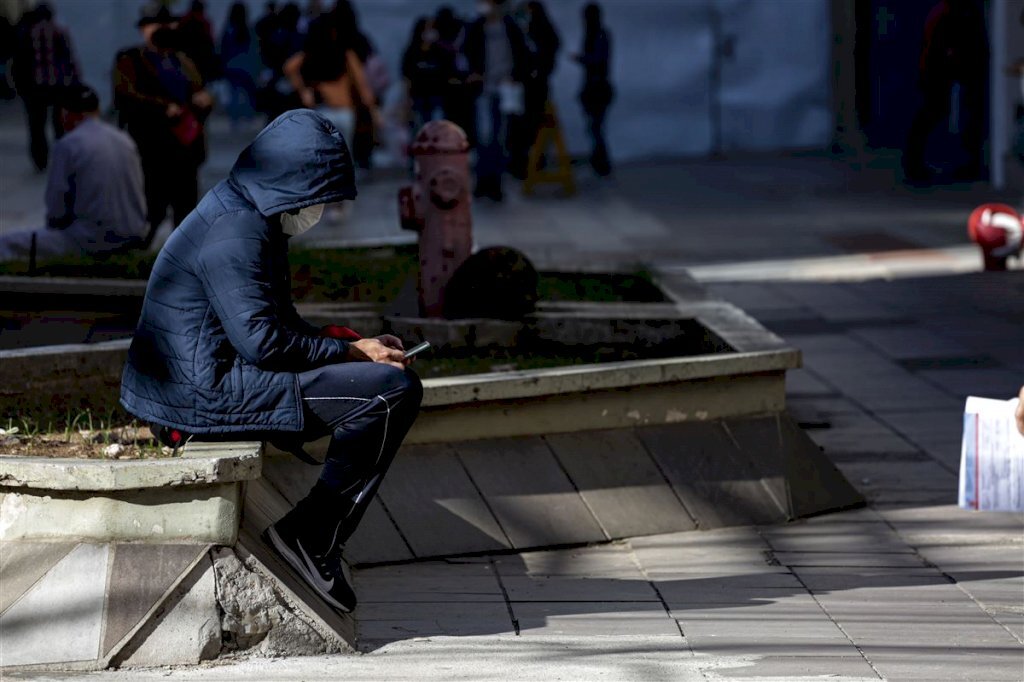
x: 195, y: 40
x: 424, y: 71
x: 8, y: 38
x: 953, y: 77
x: 159, y: 94
x: 44, y: 66
x: 499, y: 64
x: 95, y: 201
x: 377, y: 78
x: 328, y: 74
x: 264, y: 27
x: 457, y: 96
x: 597, y: 93
x: 544, y: 43
x: 240, y: 64
x: 276, y: 93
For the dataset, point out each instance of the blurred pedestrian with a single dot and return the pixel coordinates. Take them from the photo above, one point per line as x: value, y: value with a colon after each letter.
x: 314, y: 8
x: 276, y: 93
x: 264, y: 27
x: 328, y: 75
x: 423, y: 70
x: 195, y: 40
x: 8, y: 38
x: 94, y: 188
x: 544, y: 43
x: 953, y: 76
x: 44, y: 66
x: 597, y: 93
x: 457, y: 96
x: 375, y: 72
x: 240, y: 64
x: 499, y: 64
x: 159, y: 94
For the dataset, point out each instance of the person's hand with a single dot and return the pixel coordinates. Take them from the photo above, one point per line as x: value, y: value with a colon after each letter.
x: 1020, y: 412
x: 202, y: 100
x: 374, y: 350
x: 173, y: 110
x: 307, y: 97
x: 391, y: 341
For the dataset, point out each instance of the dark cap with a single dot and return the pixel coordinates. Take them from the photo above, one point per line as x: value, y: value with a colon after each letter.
x: 80, y: 99
x: 150, y: 15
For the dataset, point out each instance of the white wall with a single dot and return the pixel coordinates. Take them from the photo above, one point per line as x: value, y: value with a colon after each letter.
x: 776, y: 89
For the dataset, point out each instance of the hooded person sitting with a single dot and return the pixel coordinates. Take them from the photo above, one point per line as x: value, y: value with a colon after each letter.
x: 95, y: 201
x: 221, y: 350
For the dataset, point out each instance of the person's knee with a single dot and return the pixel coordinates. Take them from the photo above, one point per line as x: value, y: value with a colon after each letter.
x: 412, y: 387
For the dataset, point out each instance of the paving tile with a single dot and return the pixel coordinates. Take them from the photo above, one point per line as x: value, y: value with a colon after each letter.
x: 899, y: 559
x: 23, y: 563
x: 139, y: 576
x: 901, y: 479
x: 593, y: 619
x: 851, y: 667
x: 620, y: 483
x: 821, y: 579
x: 802, y: 383
x: 858, y: 432
x: 938, y: 662
x: 837, y: 302
x: 380, y: 622
x: 937, y: 432
x: 945, y: 524
x: 901, y: 342
x: 436, y: 505
x: 60, y: 618
x: 470, y: 567
x: 376, y: 538
x: 602, y: 561
x: 555, y: 589
x: 405, y: 589
x: 869, y: 538
x: 988, y: 383
x: 775, y: 583
x: 534, y: 501
x: 717, y: 482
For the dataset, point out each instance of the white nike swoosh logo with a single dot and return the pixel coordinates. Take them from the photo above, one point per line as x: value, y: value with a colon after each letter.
x: 325, y: 585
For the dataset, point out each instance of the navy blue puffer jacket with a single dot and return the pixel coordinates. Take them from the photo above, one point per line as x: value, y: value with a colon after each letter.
x: 219, y: 342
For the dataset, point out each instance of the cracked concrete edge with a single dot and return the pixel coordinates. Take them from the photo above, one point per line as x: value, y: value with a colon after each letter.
x: 202, y: 464
x: 335, y: 640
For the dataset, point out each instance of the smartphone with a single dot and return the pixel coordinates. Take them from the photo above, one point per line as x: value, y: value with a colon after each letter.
x: 416, y: 350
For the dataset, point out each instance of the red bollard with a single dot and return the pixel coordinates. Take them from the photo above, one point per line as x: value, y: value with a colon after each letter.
x: 437, y: 205
x: 997, y: 230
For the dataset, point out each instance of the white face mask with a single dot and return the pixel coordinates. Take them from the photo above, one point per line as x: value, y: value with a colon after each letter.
x: 294, y: 225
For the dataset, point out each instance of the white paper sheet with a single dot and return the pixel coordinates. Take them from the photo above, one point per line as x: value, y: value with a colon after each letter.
x: 991, y: 457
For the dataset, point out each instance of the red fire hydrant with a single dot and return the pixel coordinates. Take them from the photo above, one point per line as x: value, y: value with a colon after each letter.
x: 998, y: 232
x: 437, y: 205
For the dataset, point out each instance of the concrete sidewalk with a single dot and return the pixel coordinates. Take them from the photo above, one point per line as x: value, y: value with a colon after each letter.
x: 909, y: 588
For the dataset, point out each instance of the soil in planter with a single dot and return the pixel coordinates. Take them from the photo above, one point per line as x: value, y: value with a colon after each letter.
x: 374, y: 275
x: 121, y: 443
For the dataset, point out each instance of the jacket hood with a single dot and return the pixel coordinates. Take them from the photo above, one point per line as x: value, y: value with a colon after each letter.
x: 299, y: 160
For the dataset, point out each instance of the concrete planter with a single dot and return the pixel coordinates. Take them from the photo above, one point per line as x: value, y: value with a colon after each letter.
x: 193, y: 499
x: 141, y: 563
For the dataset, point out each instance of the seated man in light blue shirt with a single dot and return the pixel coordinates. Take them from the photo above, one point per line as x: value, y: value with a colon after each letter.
x: 95, y: 201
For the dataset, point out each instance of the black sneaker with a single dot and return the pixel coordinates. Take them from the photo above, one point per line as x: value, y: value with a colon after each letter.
x: 327, y: 573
